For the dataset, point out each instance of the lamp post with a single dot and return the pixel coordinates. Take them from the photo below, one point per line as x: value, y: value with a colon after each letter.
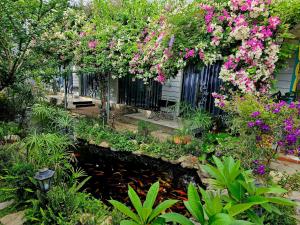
x: 44, y: 177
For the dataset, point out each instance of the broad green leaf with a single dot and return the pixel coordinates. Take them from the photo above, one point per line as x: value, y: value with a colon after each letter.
x: 177, y: 218
x: 257, y: 199
x: 159, y: 221
x: 145, y: 214
x: 221, y: 218
x: 281, y: 201
x: 194, y: 203
x: 215, y: 173
x: 151, y: 195
x: 160, y: 208
x: 213, y: 203
x: 218, y: 163
x: 128, y: 222
x: 125, y: 210
x: 270, y: 190
x: 241, y: 222
x: 136, y: 202
x: 239, y: 208
x: 236, y: 190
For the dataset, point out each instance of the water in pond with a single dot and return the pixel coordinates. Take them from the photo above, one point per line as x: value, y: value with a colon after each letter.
x: 111, y: 173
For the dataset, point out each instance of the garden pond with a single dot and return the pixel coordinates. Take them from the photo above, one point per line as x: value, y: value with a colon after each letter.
x: 112, y: 171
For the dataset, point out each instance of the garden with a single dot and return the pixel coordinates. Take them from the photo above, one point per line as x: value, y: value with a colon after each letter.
x: 61, y: 167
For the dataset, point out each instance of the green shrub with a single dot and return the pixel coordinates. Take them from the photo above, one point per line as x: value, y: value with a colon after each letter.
x: 287, y: 216
x: 9, y: 128
x: 19, y: 181
x: 66, y: 205
x: 145, y: 212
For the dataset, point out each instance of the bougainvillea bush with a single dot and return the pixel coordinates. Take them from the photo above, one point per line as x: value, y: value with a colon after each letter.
x: 240, y: 33
x: 265, y: 128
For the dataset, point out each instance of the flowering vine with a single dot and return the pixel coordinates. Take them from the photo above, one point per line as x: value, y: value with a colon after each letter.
x: 241, y: 33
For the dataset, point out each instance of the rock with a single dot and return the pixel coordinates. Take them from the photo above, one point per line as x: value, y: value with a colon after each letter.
x: 107, y: 221
x: 6, y: 204
x: 295, y: 196
x: 91, y: 142
x: 276, y: 176
x: 189, y: 161
x: 11, y: 138
x: 138, y: 152
x: 104, y: 144
x: 17, y: 218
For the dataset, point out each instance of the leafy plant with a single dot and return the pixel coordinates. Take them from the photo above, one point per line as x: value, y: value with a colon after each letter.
x: 46, y: 150
x: 19, y: 181
x: 213, y: 212
x: 9, y: 128
x: 145, y: 213
x: 242, y: 191
x: 66, y: 205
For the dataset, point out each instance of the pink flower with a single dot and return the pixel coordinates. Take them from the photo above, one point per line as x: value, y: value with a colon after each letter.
x: 274, y: 21
x: 255, y: 44
x: 82, y: 34
x: 267, y: 32
x: 229, y: 64
x: 208, y: 17
x: 244, y: 8
x: 189, y: 53
x: 226, y: 14
x: 240, y: 21
x: 161, y: 78
x: 216, y: 40
x: 207, y: 8
x: 209, y: 28
x: 92, y: 44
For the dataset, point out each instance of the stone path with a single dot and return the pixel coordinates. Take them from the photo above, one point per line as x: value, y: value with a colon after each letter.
x: 4, y: 205
x: 17, y: 218
x: 283, y: 166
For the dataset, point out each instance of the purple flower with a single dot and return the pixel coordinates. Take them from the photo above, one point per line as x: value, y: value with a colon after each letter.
x: 288, y: 128
x: 258, y: 138
x: 261, y: 170
x: 276, y: 110
x: 265, y: 127
x: 292, y: 105
x: 256, y: 161
x: 280, y: 143
x: 258, y: 122
x: 255, y: 114
x: 251, y: 124
x: 171, y: 42
x: 290, y: 152
x: 291, y: 139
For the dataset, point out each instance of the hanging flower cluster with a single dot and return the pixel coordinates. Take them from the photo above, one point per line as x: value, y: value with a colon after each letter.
x: 153, y: 53
x: 249, y: 26
x: 239, y: 32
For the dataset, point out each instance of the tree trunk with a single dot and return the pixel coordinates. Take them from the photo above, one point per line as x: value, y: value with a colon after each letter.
x: 103, y: 97
x: 66, y: 92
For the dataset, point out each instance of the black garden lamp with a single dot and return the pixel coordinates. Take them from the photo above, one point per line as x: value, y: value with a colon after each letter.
x: 44, y: 177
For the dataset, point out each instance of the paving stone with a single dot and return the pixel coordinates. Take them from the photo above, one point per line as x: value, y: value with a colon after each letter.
x: 287, y: 167
x: 17, y: 218
x: 6, y: 204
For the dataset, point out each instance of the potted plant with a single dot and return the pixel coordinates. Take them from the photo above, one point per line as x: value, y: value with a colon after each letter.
x: 183, y: 135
